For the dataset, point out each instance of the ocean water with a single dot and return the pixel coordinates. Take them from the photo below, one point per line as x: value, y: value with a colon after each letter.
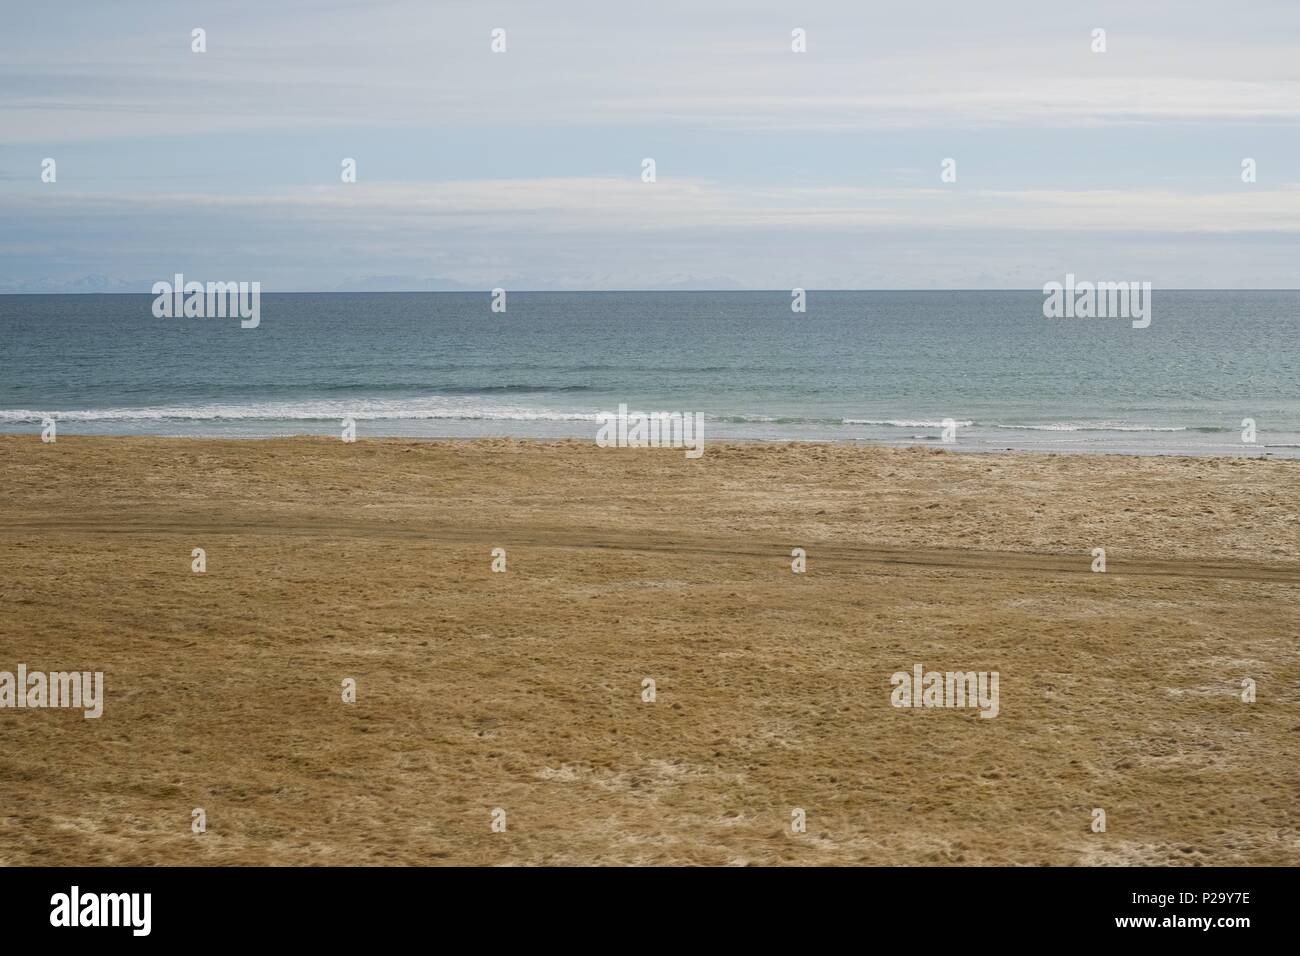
x: 884, y: 367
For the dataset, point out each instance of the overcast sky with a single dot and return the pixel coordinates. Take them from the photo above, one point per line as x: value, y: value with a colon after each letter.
x: 774, y: 169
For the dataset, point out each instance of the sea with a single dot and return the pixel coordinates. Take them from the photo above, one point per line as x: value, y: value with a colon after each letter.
x: 1213, y: 369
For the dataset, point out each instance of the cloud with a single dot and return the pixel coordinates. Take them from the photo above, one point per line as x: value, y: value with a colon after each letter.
x: 523, y: 167
x: 304, y: 66
x: 621, y: 206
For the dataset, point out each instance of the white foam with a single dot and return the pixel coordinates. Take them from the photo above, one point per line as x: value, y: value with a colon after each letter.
x: 325, y: 410
x: 901, y: 423
x: 1094, y: 427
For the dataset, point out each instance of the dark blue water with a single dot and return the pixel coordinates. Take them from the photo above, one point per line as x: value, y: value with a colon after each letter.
x: 873, y: 366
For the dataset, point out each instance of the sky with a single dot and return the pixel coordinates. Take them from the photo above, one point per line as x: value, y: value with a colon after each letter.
x: 774, y: 169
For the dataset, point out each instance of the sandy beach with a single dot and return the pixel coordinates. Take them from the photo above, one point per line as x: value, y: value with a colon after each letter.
x: 523, y: 690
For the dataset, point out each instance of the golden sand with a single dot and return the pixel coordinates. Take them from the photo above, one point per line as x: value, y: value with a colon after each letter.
x: 523, y: 690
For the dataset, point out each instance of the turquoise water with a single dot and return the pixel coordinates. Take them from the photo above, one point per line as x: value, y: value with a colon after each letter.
x: 858, y: 366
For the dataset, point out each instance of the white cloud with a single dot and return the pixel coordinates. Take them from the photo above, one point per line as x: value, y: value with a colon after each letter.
x: 608, y: 205
x: 277, y: 67
x: 597, y: 85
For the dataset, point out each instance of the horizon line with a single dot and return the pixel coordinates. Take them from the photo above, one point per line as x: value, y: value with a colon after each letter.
x: 782, y: 291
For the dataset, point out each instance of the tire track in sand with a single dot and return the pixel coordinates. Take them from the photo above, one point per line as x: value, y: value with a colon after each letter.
x: 541, y: 536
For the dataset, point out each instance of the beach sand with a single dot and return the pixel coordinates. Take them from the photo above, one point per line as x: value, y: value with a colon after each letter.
x: 523, y: 690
